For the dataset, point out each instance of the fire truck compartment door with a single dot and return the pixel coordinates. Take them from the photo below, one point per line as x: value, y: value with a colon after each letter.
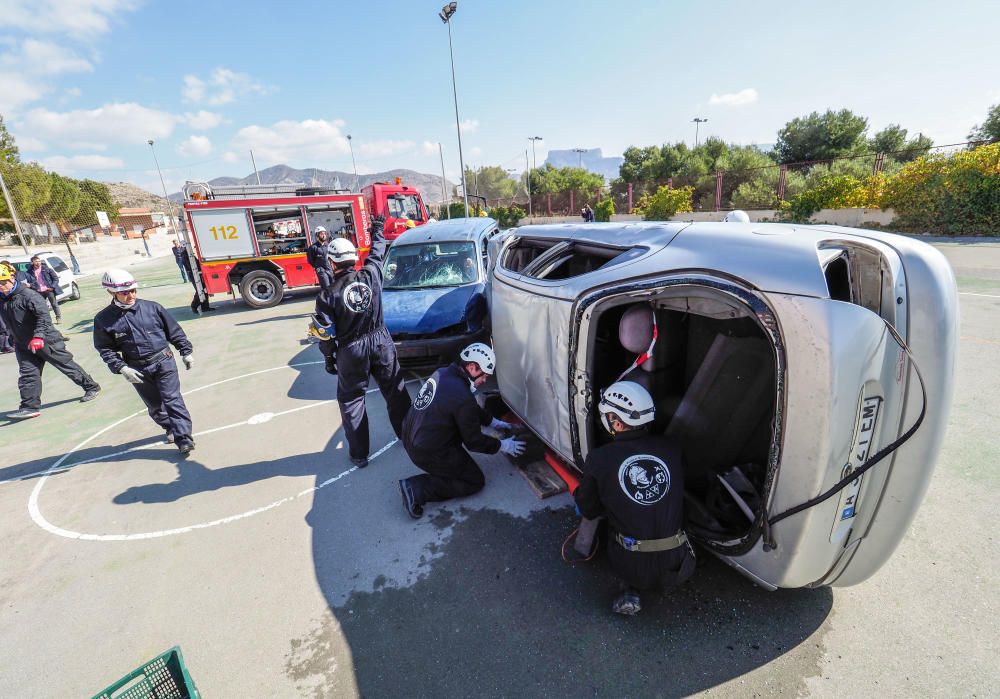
x: 222, y: 233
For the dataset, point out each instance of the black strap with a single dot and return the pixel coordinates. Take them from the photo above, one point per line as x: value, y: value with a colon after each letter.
x: 881, y: 454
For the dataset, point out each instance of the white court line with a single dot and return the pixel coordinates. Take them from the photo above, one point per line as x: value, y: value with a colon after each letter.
x: 969, y: 293
x: 39, y: 518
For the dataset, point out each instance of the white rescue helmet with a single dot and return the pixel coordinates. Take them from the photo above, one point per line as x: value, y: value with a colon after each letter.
x: 481, y: 355
x: 319, y: 229
x: 341, y: 250
x: 737, y: 216
x: 116, y: 280
x: 629, y: 401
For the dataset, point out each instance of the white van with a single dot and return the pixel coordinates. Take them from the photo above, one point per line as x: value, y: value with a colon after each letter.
x: 67, y: 280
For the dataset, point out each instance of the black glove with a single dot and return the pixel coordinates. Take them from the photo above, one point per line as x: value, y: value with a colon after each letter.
x: 378, y: 225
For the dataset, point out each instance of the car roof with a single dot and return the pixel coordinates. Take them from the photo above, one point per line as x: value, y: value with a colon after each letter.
x: 651, y: 234
x: 26, y: 258
x: 456, y: 229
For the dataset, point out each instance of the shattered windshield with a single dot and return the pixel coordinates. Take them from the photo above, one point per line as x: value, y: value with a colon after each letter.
x: 426, y: 265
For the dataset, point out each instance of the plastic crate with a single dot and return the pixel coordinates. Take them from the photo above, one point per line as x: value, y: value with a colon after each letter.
x: 163, y: 677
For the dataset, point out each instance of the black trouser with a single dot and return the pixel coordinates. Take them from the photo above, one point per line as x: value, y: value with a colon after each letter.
x: 184, y: 274
x: 451, y: 473
x: 161, y: 392
x: 29, y: 383
x: 376, y: 355
x: 659, y: 570
x: 325, y: 277
x: 51, y: 296
x: 6, y: 339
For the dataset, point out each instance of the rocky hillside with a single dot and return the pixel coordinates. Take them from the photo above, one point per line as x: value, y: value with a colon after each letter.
x: 125, y: 194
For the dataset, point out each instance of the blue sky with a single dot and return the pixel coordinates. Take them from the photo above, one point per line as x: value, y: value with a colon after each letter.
x: 84, y: 83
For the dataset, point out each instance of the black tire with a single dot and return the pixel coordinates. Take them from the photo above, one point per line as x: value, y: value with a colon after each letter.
x: 262, y: 289
x: 75, y: 294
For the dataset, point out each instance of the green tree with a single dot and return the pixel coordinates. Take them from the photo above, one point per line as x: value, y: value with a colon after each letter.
x: 30, y: 189
x: 64, y: 203
x: 604, y: 210
x: 889, y: 140
x: 665, y: 202
x: 552, y: 180
x: 8, y: 148
x: 821, y: 136
x: 492, y: 182
x: 989, y: 130
x: 95, y: 196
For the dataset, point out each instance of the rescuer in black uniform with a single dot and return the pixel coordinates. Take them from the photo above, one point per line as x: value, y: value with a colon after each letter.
x: 637, y: 481
x: 133, y: 337
x: 353, y: 305
x: 36, y: 343
x: 444, y: 417
x: 316, y: 255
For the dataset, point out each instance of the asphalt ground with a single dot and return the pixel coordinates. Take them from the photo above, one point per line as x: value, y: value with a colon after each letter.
x: 282, y: 572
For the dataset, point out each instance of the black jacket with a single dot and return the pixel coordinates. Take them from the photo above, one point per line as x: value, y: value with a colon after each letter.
x: 316, y: 255
x: 26, y: 315
x: 353, y: 303
x: 638, y: 482
x: 50, y: 277
x: 130, y: 336
x: 180, y: 255
x: 445, y: 415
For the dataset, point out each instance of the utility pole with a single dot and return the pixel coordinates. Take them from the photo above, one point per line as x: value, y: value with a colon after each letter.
x: 157, y: 162
x: 527, y: 180
x: 351, y: 146
x: 446, y: 13
x: 254, y: 163
x: 444, y: 189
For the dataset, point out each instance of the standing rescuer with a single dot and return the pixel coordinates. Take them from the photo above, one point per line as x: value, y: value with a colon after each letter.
x: 316, y: 255
x: 133, y: 337
x: 353, y: 305
x: 36, y: 343
x: 637, y: 481
x: 444, y: 421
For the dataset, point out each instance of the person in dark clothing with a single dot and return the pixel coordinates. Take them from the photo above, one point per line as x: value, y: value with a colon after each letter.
x: 133, y: 337
x: 180, y: 257
x: 353, y: 305
x: 197, y: 301
x: 637, y: 482
x: 42, y: 279
x: 6, y: 338
x: 36, y: 343
x: 444, y: 421
x: 316, y: 255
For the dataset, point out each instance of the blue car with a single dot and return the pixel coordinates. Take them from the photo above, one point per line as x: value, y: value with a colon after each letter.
x: 434, y: 298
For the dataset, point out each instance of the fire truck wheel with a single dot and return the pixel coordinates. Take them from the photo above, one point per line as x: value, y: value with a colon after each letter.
x: 261, y: 289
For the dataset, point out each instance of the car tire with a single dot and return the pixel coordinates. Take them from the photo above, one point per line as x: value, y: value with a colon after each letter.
x: 262, y: 289
x: 75, y: 294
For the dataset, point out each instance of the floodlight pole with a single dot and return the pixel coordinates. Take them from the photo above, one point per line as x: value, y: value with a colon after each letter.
x: 580, y: 152
x: 698, y: 121
x: 158, y: 172
x: 351, y: 146
x: 444, y: 189
x: 254, y: 163
x: 446, y: 14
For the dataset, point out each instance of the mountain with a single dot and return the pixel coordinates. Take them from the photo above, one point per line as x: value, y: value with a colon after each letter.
x: 128, y: 195
x: 429, y: 186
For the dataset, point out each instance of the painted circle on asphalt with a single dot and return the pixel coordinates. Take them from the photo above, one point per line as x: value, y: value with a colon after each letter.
x: 38, y: 518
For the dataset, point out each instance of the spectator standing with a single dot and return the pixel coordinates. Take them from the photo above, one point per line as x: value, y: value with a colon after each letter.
x: 42, y: 279
x: 180, y: 257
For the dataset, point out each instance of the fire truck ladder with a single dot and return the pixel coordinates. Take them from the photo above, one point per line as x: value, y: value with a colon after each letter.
x: 200, y: 191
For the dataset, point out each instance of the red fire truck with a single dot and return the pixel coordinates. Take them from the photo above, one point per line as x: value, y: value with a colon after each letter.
x: 253, y: 238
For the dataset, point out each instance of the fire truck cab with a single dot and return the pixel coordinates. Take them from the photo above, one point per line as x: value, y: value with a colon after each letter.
x: 398, y: 203
x: 253, y: 238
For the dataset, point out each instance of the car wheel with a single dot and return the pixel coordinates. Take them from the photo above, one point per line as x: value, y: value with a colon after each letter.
x: 75, y: 295
x: 262, y: 289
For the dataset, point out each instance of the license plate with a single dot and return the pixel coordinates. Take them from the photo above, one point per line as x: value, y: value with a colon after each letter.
x: 864, y: 434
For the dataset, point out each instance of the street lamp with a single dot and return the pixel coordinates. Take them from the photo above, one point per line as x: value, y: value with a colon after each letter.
x: 150, y: 142
x: 580, y: 151
x: 351, y: 146
x: 446, y: 14
x: 534, y: 162
x: 698, y: 121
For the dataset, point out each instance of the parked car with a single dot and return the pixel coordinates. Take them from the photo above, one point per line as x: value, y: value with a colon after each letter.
x: 434, y: 296
x: 778, y: 363
x: 67, y: 280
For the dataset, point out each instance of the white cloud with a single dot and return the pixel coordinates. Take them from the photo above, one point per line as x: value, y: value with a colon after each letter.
x: 203, y: 120
x: 734, y: 99
x: 112, y: 123
x: 231, y: 157
x: 476, y: 150
x: 81, y: 18
x: 75, y: 163
x: 195, y: 147
x: 44, y: 58
x: 16, y: 92
x: 469, y: 125
x: 28, y: 143
x: 222, y: 86
x: 310, y: 141
x: 381, y: 149
x: 74, y: 92
x: 429, y: 148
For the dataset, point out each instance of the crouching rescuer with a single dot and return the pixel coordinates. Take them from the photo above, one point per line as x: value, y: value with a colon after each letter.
x: 444, y: 421
x: 637, y: 482
x: 133, y: 337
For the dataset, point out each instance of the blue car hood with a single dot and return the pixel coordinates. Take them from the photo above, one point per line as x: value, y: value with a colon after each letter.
x: 421, y: 311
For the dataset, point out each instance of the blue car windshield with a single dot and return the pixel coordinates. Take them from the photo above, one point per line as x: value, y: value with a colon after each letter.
x: 430, y: 265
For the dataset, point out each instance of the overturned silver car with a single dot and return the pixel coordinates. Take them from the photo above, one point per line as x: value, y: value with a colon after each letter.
x: 807, y: 371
